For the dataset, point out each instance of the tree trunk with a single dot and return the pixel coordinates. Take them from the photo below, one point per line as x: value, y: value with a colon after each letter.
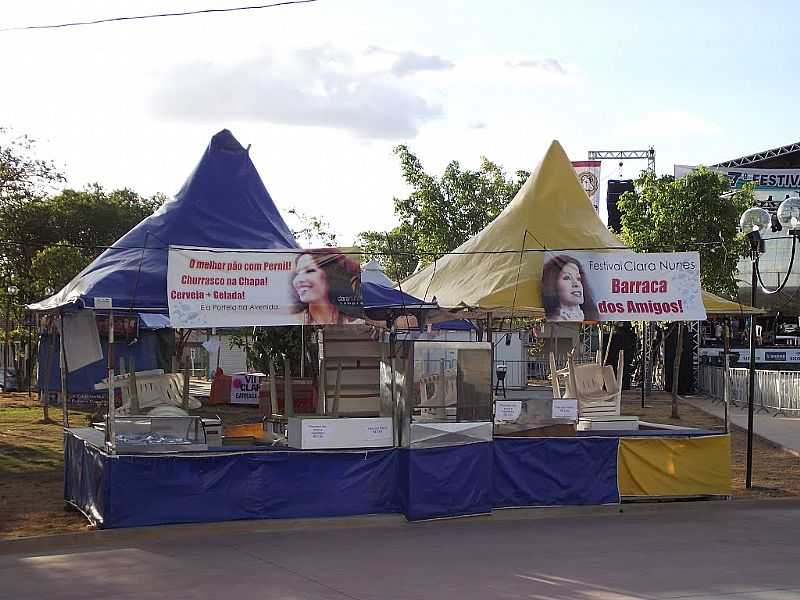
x: 676, y: 371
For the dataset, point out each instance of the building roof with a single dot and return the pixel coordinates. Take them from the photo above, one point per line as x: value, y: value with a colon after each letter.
x: 784, y: 157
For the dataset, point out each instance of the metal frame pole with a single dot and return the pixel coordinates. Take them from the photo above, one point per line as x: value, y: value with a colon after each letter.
x: 752, y: 368
x: 6, y: 342
x: 644, y: 357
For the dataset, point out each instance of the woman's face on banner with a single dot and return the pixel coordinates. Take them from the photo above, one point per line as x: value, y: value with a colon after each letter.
x: 310, y: 282
x: 570, y: 285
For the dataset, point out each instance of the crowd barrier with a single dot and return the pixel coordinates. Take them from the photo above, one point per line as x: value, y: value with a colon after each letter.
x: 774, y: 390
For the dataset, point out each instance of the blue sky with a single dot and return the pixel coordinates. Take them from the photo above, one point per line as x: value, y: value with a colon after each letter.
x: 324, y: 91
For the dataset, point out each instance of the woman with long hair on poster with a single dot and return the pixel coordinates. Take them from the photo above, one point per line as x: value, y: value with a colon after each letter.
x: 565, y: 292
x: 326, y: 286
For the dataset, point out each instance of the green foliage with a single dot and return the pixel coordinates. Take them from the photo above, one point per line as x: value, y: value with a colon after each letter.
x: 315, y: 231
x: 395, y: 250
x: 277, y: 342
x: 666, y: 214
x: 54, y: 266
x: 440, y: 213
x: 38, y: 233
x: 22, y: 176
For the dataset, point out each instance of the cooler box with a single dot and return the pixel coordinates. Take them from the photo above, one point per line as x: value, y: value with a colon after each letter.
x: 315, y: 433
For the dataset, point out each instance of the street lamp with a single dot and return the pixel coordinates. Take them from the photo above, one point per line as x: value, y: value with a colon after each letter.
x: 754, y: 222
x: 10, y: 292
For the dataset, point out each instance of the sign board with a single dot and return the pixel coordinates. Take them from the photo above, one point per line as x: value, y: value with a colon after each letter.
x: 565, y: 408
x: 588, y: 172
x: 773, y: 186
x: 314, y: 433
x: 507, y: 411
x: 211, y: 287
x: 763, y: 355
x: 245, y: 388
x: 763, y: 178
x: 622, y: 286
x: 103, y: 303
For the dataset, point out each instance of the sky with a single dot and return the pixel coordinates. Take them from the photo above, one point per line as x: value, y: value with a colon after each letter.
x: 323, y: 92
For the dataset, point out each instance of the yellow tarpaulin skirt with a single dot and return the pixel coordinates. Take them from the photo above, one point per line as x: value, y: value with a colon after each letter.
x: 675, y: 466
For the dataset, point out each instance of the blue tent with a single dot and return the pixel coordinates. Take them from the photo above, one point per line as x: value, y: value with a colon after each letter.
x: 223, y: 204
x: 152, y: 349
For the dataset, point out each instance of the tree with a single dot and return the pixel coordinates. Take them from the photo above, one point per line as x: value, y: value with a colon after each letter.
x: 668, y: 214
x: 54, y: 266
x: 22, y: 176
x: 276, y: 343
x: 440, y: 213
x: 85, y: 220
x: 314, y: 230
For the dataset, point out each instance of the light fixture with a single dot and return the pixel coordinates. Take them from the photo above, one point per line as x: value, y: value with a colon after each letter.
x: 789, y: 215
x: 754, y: 222
x: 776, y: 224
x: 755, y: 219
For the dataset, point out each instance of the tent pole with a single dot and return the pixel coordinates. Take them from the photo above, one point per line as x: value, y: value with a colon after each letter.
x: 110, y: 429
x: 49, y: 349
x: 64, y: 368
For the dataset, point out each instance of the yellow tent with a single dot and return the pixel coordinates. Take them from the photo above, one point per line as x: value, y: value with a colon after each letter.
x: 490, y: 271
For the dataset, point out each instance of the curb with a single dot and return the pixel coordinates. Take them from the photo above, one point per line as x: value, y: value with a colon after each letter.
x: 773, y: 443
x: 131, y: 536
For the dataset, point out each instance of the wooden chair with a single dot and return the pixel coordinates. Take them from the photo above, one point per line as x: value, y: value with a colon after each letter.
x: 596, y: 387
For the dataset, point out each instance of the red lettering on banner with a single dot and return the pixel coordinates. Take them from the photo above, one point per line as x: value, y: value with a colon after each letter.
x: 648, y: 286
x: 610, y: 307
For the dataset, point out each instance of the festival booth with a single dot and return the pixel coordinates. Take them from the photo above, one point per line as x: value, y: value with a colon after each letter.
x: 426, y: 447
x: 499, y: 273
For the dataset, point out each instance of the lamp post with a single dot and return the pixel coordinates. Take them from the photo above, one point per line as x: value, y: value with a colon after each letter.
x: 10, y: 292
x: 754, y: 222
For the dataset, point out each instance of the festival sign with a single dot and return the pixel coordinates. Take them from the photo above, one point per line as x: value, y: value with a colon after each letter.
x: 588, y: 172
x: 622, y: 286
x: 245, y: 388
x: 211, y: 287
x: 763, y: 178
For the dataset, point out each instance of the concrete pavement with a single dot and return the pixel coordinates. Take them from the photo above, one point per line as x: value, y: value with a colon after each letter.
x: 731, y: 550
x: 781, y: 430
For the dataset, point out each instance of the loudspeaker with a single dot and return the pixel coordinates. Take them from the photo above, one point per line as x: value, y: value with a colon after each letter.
x: 616, y: 187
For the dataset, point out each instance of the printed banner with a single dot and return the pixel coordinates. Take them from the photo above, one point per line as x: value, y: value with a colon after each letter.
x: 245, y: 388
x: 763, y: 178
x: 237, y: 288
x: 588, y: 172
x: 763, y: 355
x: 622, y: 286
x: 773, y: 186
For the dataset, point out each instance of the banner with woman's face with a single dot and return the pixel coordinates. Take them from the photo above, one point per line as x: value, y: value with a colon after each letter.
x: 622, y: 286
x: 214, y: 287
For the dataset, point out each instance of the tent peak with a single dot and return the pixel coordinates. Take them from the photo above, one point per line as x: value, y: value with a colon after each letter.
x: 224, y: 140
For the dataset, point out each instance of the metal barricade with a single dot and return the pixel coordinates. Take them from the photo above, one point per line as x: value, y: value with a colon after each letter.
x: 774, y: 390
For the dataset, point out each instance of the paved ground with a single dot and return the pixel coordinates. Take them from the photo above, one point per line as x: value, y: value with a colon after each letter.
x: 783, y: 431
x: 731, y: 550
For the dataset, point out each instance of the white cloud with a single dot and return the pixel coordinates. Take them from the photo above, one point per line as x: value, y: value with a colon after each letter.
x: 669, y: 124
x: 548, y: 65
x: 522, y: 71
x: 409, y: 63
x: 363, y: 92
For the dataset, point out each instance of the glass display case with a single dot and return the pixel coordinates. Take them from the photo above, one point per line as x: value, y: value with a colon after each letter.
x: 441, y: 391
x: 146, y: 434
